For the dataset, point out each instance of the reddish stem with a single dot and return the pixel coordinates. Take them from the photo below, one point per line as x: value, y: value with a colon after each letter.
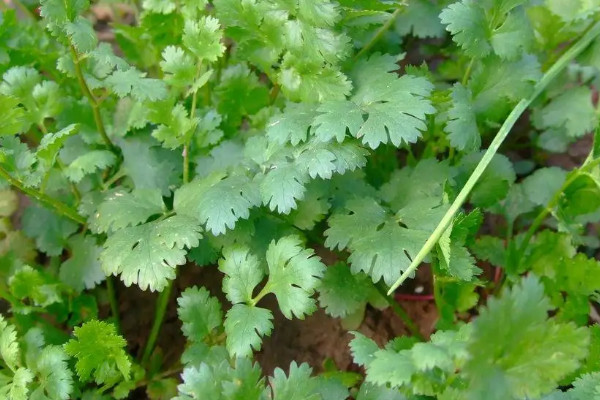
x: 414, y: 297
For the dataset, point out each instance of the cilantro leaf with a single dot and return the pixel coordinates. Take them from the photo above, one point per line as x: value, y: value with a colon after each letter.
x: 294, y: 274
x: 148, y: 254
x: 524, y: 338
x: 243, y: 273
x: 120, y: 210
x: 12, y: 120
x: 100, y: 353
x: 133, y: 82
x: 462, y: 124
x: 49, y: 230
x: 217, y: 200
x: 203, y: 38
x: 199, y: 312
x: 342, y: 293
x: 245, y: 326
x: 83, y: 270
x: 89, y: 163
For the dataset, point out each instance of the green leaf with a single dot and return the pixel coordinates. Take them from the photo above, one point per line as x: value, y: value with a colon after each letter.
x: 53, y: 374
x: 462, y: 124
x: 9, y: 347
x: 421, y: 18
x: 199, y: 312
x: 524, y: 338
x: 121, y: 209
x: 100, y: 353
x: 378, y: 243
x: 148, y: 254
x: 363, y: 349
x: 83, y: 269
x: 396, y: 107
x: 175, y: 130
x: 51, y: 144
x: 12, y: 120
x: 293, y: 125
x: 217, y: 200
x: 31, y: 284
x: 245, y: 326
x: 342, y: 293
x: 294, y: 274
x: 203, y: 38
x: 49, y: 230
x: 178, y: 67
x: 543, y: 184
x: 89, y: 163
x: 282, y: 186
x: 82, y: 35
x: 299, y: 385
x: 150, y: 166
x: 243, y: 273
x: 467, y: 23
x: 572, y: 110
x: 133, y: 82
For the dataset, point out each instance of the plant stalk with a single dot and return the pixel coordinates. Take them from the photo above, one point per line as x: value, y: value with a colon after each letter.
x: 112, y: 299
x: 397, y: 308
x: 56, y: 205
x: 512, y: 118
x: 91, y: 98
x: 380, y: 32
x: 159, y: 316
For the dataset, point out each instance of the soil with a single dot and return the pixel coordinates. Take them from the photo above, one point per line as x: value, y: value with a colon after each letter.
x: 314, y: 340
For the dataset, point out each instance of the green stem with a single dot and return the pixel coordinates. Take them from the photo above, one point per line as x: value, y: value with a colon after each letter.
x: 548, y: 77
x: 91, y: 98
x: 539, y: 219
x: 159, y: 316
x: 112, y: 299
x: 118, y: 175
x: 50, y: 202
x: 23, y: 9
x: 397, y: 308
x: 265, y: 291
x: 467, y: 74
x: 379, y: 34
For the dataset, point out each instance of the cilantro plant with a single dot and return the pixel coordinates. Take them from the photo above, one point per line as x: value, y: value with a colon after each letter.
x: 313, y: 152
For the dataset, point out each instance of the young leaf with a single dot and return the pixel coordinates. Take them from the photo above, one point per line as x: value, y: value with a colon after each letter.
x: 100, y: 353
x: 199, y: 312
x: 203, y: 38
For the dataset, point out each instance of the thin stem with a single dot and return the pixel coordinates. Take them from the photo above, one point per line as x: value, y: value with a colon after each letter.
x: 548, y: 77
x: 379, y: 34
x: 118, y: 175
x: 467, y: 74
x: 397, y: 308
x: 159, y: 316
x: 52, y: 203
x: 265, y: 291
x: 541, y: 217
x: 90, y: 96
x: 23, y: 9
x: 114, y: 304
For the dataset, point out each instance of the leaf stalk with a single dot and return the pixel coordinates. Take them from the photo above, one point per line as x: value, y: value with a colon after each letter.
x: 505, y: 129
